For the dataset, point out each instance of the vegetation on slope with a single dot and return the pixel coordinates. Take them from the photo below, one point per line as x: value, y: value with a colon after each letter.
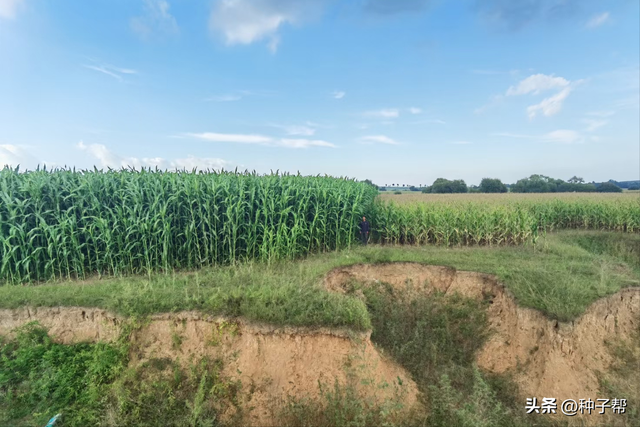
x: 290, y: 292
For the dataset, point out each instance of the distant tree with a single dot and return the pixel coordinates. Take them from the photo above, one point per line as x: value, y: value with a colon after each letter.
x: 568, y: 187
x: 368, y: 181
x: 575, y: 180
x: 442, y: 185
x: 397, y: 192
x: 634, y: 187
x: 382, y: 188
x: 414, y: 188
x: 490, y: 185
x: 608, y: 187
x: 536, y: 184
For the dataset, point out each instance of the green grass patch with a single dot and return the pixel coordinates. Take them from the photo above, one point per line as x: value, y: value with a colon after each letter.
x: 90, y: 384
x: 39, y: 378
x: 561, y: 276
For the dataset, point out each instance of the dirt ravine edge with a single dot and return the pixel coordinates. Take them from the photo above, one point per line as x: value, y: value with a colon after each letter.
x: 547, y: 358
x: 272, y: 363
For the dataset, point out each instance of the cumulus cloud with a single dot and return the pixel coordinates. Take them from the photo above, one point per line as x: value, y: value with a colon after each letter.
x: 249, y: 21
x: 380, y: 139
x: 155, y: 19
x: 389, y: 113
x: 598, y: 20
x: 338, y: 94
x: 549, y: 106
x: 260, y: 140
x: 9, y: 8
x: 414, y: 110
x: 109, y: 159
x: 394, y: 7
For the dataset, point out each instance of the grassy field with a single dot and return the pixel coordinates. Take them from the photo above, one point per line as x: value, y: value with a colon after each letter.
x: 589, y: 265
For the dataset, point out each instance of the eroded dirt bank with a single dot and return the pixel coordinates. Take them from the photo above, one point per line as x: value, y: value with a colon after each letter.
x: 547, y: 358
x: 270, y: 362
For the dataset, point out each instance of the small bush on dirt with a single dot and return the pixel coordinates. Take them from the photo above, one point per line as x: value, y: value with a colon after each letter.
x: 160, y: 392
x: 340, y: 405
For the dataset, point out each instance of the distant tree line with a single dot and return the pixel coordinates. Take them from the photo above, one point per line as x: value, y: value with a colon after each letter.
x: 533, y: 184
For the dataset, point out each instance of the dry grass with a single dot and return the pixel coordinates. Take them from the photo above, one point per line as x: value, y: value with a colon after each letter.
x: 505, y: 198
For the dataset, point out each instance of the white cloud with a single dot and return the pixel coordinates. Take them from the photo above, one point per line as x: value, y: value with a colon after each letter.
x: 388, y: 113
x: 382, y: 139
x: 593, y: 125
x: 230, y: 137
x: 192, y: 162
x: 248, y: 21
x: 598, y: 20
x: 537, y: 83
x: 338, y: 94
x: 302, y: 143
x: 14, y: 155
x: 110, y: 70
x: 414, y: 110
x: 307, y: 130
x: 563, y: 136
x: 549, y: 106
x: 461, y: 142
x: 260, y: 140
x: 9, y: 8
x: 155, y: 19
x: 108, y: 159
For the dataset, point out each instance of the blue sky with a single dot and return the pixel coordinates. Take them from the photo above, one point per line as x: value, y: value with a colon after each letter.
x: 401, y: 91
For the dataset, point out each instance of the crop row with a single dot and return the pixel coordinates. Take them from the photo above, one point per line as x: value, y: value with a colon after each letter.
x: 67, y: 224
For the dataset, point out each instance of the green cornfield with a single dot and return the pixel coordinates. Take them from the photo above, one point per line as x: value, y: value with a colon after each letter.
x: 68, y: 224
x: 73, y: 224
x: 478, y: 223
